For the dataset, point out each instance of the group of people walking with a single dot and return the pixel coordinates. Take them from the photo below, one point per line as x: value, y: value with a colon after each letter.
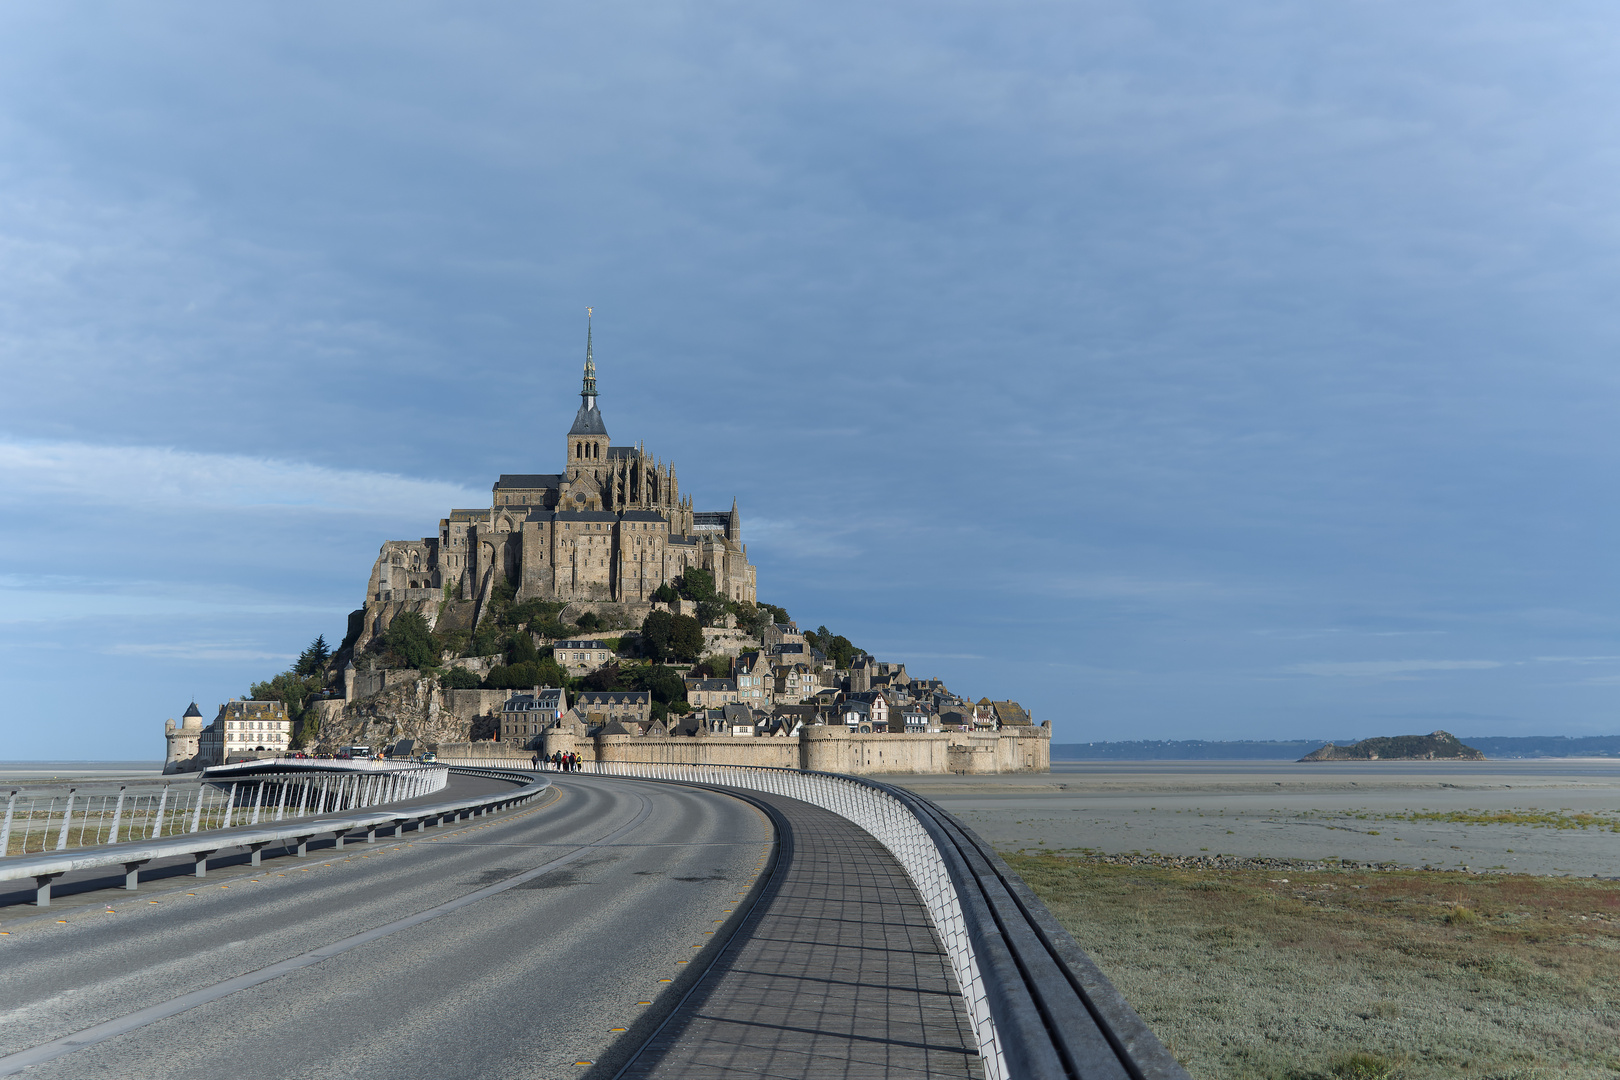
x: 559, y: 761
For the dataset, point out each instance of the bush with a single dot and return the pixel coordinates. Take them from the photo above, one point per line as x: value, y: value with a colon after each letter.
x: 589, y: 622
x: 664, y: 683
x: 713, y: 667
x: 696, y: 584
x: 486, y: 640
x: 838, y: 649
x: 459, y: 678
x: 543, y: 672
x: 521, y: 649
x: 665, y: 594
x: 409, y: 639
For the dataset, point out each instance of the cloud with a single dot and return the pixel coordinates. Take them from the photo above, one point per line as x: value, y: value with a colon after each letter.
x: 199, y: 650
x: 171, y: 479
x: 1384, y: 668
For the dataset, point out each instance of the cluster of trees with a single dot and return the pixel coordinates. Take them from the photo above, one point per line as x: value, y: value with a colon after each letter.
x: 836, y: 647
x: 665, y: 636
x: 298, y: 687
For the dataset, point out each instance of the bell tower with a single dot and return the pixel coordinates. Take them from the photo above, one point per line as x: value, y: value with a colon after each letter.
x: 588, y: 440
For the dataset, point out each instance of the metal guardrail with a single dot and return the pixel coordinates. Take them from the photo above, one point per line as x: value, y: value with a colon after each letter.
x: 200, y: 846
x: 1040, y: 1009
x: 243, y: 794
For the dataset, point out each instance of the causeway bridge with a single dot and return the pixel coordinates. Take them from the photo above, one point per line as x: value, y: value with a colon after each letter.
x: 648, y: 921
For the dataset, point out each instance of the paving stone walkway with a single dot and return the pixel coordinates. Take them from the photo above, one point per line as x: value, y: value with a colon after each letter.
x: 837, y: 973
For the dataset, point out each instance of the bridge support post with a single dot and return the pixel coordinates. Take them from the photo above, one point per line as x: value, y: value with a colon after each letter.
x: 132, y: 875
x: 42, y: 889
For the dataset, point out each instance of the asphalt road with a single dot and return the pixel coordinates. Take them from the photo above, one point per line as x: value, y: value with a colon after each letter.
x: 506, y: 947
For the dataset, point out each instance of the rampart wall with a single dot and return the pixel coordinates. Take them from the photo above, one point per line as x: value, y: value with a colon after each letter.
x: 824, y: 749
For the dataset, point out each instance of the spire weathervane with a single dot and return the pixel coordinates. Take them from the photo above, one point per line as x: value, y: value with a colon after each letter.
x: 589, y: 391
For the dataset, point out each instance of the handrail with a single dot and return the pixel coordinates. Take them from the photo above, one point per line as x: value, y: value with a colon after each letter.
x: 46, y: 868
x: 1040, y: 1009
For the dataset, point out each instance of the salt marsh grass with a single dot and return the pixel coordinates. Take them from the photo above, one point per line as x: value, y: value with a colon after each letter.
x: 1354, y: 975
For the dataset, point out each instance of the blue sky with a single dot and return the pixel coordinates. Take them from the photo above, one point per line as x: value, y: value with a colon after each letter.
x: 1180, y: 371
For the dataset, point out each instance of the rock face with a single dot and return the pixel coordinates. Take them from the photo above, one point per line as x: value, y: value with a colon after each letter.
x: 1440, y: 745
x: 418, y: 709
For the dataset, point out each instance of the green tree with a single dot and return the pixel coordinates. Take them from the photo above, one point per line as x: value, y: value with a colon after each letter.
x: 837, y: 648
x: 486, y: 640
x: 589, y: 622
x: 313, y: 658
x: 289, y: 688
x: 656, y: 631
x: 521, y: 650
x: 665, y: 594
x: 459, y: 678
x: 697, y: 584
x: 717, y: 666
x: 664, y: 683
x: 607, y: 677
x: 409, y: 639
x: 685, y: 638
x: 711, y: 612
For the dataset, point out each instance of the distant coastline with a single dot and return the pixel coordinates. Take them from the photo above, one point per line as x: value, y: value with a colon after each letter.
x: 1498, y: 747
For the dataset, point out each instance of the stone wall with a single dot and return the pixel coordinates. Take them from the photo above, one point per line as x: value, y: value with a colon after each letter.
x: 826, y: 749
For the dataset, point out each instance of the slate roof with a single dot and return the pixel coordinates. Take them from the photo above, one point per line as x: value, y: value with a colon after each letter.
x: 529, y: 480
x: 191, y: 710
x: 550, y: 699
x: 717, y: 685
x: 642, y: 515
x: 719, y: 518
x: 1011, y: 713
x: 588, y: 422
x: 572, y: 515
x: 579, y: 645
x: 614, y: 697
x: 623, y: 452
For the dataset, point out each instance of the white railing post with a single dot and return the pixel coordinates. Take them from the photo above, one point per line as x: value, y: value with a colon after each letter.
x: 67, y: 817
x: 5, y: 828
x: 196, y: 812
x: 163, y: 802
x: 230, y: 804
x: 118, y: 816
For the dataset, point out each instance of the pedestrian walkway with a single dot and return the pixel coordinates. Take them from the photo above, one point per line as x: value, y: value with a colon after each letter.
x: 836, y: 973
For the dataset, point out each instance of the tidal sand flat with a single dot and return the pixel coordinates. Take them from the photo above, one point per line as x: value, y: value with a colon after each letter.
x: 1532, y: 817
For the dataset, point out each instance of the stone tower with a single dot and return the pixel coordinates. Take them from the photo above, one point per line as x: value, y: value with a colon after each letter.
x: 183, y: 741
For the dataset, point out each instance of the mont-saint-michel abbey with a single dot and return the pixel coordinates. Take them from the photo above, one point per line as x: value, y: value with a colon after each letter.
x: 573, y: 569
x: 611, y: 527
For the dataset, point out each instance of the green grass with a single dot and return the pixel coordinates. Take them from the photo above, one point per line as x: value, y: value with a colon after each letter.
x: 1354, y: 975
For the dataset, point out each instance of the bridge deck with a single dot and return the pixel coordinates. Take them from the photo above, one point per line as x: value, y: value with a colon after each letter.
x: 838, y: 973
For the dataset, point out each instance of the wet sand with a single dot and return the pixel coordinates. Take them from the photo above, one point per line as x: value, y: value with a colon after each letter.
x: 1344, y: 810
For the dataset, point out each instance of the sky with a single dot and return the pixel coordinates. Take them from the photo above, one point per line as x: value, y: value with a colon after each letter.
x: 1179, y: 371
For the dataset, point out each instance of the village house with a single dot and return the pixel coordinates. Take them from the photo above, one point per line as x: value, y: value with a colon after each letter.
x: 581, y: 657
x: 710, y: 693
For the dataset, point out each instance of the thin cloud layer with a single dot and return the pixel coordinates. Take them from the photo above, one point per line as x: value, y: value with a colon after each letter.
x: 166, y: 478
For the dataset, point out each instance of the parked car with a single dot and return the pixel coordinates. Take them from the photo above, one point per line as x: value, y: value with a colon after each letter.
x: 430, y: 756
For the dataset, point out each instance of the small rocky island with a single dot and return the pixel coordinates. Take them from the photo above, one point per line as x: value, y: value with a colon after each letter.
x: 1437, y: 746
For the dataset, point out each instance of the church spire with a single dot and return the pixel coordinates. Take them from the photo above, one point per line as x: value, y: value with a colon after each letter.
x: 589, y: 390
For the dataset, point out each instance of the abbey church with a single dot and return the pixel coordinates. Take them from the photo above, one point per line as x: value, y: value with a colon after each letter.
x: 610, y: 528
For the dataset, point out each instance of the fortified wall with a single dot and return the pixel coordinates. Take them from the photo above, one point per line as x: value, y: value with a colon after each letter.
x: 826, y: 748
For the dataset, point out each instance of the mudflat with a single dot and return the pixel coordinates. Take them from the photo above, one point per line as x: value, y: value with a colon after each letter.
x: 1548, y: 816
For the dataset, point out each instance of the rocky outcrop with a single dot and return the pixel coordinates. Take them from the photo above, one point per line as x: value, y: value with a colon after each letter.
x: 418, y: 709
x: 1437, y: 746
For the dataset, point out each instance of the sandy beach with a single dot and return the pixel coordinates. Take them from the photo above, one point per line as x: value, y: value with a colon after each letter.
x: 1555, y: 817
